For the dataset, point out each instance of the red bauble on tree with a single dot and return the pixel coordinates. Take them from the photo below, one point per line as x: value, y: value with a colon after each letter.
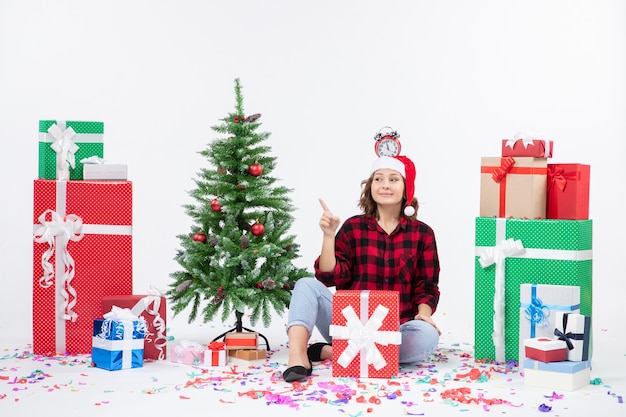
x: 257, y: 229
x: 199, y: 237
x: 215, y: 205
x: 255, y: 169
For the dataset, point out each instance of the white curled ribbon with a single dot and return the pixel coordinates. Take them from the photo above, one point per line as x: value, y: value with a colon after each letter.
x: 151, y: 305
x: 65, y: 148
x: 527, y: 138
x: 57, y: 233
x: 497, y: 255
x: 362, y: 338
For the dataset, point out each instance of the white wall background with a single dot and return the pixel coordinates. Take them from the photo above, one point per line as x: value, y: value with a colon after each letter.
x: 453, y: 77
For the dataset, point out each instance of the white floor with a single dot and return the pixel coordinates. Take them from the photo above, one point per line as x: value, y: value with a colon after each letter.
x: 69, y: 386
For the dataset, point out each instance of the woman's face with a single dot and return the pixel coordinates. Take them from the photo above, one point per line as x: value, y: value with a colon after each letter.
x: 387, y: 187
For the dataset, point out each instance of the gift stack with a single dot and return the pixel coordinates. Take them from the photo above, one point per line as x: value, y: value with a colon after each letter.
x: 244, y: 345
x: 533, y: 255
x: 560, y: 362
x: 82, y: 250
x: 365, y: 331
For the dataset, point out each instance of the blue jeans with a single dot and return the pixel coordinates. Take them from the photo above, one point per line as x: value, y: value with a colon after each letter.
x: 311, y: 306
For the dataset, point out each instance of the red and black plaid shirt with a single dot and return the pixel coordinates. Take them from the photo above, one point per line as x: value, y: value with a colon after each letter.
x: 405, y: 261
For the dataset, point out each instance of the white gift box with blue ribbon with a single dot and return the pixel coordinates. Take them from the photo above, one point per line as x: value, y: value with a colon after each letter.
x: 118, y: 340
x: 539, y: 304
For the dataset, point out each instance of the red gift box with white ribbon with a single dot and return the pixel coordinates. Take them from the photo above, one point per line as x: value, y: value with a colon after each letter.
x: 150, y: 307
x: 365, y: 331
x: 82, y: 252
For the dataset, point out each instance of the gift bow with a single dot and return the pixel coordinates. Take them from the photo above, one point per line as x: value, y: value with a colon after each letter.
x: 497, y: 255
x: 63, y: 146
x: 216, y: 346
x: 569, y: 336
x: 57, y: 233
x: 119, y: 313
x: 363, y: 337
x: 557, y: 175
x: 526, y: 138
x: 505, y: 166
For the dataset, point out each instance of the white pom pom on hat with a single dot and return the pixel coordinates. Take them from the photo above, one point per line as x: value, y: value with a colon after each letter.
x: 406, y: 168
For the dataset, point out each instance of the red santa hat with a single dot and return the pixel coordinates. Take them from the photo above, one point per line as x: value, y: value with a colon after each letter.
x: 406, y: 168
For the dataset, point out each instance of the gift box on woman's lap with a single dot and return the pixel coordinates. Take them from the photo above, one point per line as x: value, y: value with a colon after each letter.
x: 511, y: 252
x: 82, y: 252
x: 152, y: 309
x: 365, y: 331
x: 117, y: 343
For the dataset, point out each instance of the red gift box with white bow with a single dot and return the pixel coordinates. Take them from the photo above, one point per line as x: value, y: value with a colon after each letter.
x: 365, y: 331
x: 82, y: 252
x: 152, y: 308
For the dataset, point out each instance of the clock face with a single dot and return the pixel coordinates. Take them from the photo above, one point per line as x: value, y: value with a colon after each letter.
x: 387, y: 147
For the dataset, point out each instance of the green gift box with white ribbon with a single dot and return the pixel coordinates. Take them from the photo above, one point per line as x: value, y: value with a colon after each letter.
x: 511, y: 252
x: 63, y: 144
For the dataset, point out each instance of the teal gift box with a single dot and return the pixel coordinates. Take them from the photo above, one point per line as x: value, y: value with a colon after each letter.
x: 118, y: 344
x: 86, y: 136
x: 512, y: 252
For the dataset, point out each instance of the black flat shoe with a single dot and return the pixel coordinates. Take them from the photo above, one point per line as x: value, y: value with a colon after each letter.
x: 314, y: 352
x: 297, y: 373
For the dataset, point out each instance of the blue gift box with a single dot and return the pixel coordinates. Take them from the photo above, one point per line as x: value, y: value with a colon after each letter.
x: 118, y: 344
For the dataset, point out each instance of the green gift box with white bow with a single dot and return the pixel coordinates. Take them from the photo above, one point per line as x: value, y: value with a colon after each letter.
x: 512, y: 252
x: 63, y: 144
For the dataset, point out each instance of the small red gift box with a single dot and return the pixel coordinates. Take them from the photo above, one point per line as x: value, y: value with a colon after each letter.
x: 568, y: 191
x: 513, y: 187
x: 537, y: 148
x: 82, y: 252
x: 545, y: 349
x: 241, y: 340
x: 152, y: 309
x: 215, y: 354
x: 365, y: 331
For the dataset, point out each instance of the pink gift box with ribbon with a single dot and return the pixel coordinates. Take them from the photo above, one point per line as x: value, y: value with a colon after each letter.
x: 82, y: 252
x: 187, y: 352
x: 365, y: 331
x: 152, y: 308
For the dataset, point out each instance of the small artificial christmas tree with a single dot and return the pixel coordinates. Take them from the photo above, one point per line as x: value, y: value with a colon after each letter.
x: 239, y: 253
